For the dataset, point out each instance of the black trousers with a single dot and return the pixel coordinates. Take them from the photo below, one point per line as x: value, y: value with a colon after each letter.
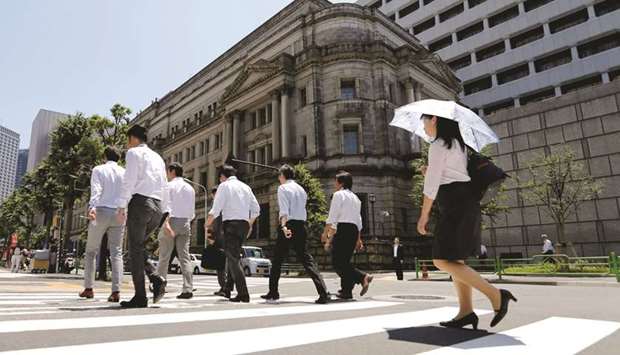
x: 298, y: 241
x: 398, y: 266
x: 235, y: 232
x: 343, y: 246
x: 143, y: 217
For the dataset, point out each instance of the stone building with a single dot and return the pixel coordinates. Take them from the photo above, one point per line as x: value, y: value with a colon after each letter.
x: 588, y: 121
x: 317, y: 83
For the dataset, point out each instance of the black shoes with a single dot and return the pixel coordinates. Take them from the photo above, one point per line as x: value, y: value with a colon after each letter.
x: 344, y: 295
x: 222, y: 293
x: 238, y: 299
x: 159, y: 288
x: 271, y: 296
x: 503, y: 309
x: 185, y: 296
x: 134, y: 303
x: 471, y: 318
x: 323, y: 299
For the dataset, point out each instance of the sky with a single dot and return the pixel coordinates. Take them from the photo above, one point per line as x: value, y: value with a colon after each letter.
x: 87, y: 55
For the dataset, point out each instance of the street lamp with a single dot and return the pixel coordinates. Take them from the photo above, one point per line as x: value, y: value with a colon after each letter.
x: 385, y: 215
x: 206, y: 191
x: 372, y: 198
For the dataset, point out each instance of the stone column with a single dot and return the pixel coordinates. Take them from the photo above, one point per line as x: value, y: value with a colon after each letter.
x: 275, y: 126
x: 410, y: 91
x: 236, y: 133
x: 228, y: 143
x: 284, y: 122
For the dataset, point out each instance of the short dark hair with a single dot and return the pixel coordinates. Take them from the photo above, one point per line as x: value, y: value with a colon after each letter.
x: 137, y: 131
x: 345, y: 179
x: 287, y: 171
x: 112, y: 154
x: 214, y: 189
x: 177, y: 168
x: 227, y: 171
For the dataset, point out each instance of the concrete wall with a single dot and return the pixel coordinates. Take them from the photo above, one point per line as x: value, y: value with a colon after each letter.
x: 589, y: 122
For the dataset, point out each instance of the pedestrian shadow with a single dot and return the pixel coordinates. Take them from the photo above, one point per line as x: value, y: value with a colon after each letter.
x: 82, y: 309
x: 458, y: 338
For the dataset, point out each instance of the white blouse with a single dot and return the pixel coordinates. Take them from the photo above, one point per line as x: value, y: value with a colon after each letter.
x: 445, y: 166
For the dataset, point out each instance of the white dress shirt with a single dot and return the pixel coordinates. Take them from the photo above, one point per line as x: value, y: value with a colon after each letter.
x: 145, y: 175
x: 395, y: 250
x: 292, y: 200
x: 445, y: 166
x: 105, y: 185
x: 235, y: 201
x: 345, y: 208
x: 180, y: 199
x: 547, y: 245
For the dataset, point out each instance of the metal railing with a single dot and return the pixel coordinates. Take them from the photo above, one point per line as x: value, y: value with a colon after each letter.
x: 539, y: 265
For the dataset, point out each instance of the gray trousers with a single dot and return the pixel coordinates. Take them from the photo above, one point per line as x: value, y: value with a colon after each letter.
x: 105, y: 223
x: 182, y: 229
x: 143, y: 217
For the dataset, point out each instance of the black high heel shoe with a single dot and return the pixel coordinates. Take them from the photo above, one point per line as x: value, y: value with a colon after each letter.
x: 471, y: 318
x: 506, y: 296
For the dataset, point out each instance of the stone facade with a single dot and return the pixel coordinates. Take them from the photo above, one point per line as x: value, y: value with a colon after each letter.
x: 588, y: 121
x: 317, y: 83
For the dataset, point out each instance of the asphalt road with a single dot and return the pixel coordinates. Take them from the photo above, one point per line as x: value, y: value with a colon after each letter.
x: 42, y: 315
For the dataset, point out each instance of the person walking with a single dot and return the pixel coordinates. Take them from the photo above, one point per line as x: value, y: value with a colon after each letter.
x: 457, y: 232
x: 180, y: 204
x: 16, y: 259
x: 239, y: 208
x: 143, y: 188
x: 292, y: 199
x: 398, y: 259
x: 215, y: 238
x: 105, y: 186
x: 547, y: 248
x: 343, y: 235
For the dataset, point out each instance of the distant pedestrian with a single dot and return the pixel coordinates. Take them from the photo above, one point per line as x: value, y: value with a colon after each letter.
x: 16, y: 259
x: 398, y: 258
x: 483, y: 252
x: 547, y: 247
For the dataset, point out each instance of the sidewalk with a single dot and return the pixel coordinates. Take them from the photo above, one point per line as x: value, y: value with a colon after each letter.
x: 528, y: 280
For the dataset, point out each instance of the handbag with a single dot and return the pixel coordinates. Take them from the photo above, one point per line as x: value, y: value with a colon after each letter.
x: 213, y: 258
x: 483, y: 173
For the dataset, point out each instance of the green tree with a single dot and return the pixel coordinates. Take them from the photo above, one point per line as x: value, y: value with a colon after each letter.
x: 75, y: 150
x: 560, y: 184
x: 317, y: 202
x: 112, y: 131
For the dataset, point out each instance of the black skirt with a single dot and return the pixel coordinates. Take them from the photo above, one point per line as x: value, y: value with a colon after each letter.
x: 457, y: 232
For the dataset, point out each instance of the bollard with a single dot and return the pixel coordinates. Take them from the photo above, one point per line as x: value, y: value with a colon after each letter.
x: 417, y: 269
x: 499, y: 265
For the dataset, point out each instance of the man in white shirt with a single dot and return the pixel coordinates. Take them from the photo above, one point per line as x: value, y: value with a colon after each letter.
x: 16, y: 259
x: 105, y: 187
x: 398, y: 259
x: 344, y: 223
x: 180, y: 204
x: 142, y: 191
x: 292, y: 202
x: 239, y: 208
x: 547, y: 245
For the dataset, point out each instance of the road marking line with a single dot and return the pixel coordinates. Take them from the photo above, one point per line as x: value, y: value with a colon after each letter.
x: 555, y: 335
x: 264, y: 339
x: 134, y: 320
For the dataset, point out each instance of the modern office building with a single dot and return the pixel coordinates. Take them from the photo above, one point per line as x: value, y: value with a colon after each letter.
x: 9, y: 145
x: 510, y: 53
x: 44, y: 123
x: 317, y: 83
x: 22, y: 166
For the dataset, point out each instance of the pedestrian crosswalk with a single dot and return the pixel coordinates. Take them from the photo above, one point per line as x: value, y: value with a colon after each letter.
x: 294, y: 326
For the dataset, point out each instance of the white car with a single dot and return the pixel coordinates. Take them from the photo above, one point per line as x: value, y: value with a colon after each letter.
x: 197, y: 269
x: 254, y: 262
